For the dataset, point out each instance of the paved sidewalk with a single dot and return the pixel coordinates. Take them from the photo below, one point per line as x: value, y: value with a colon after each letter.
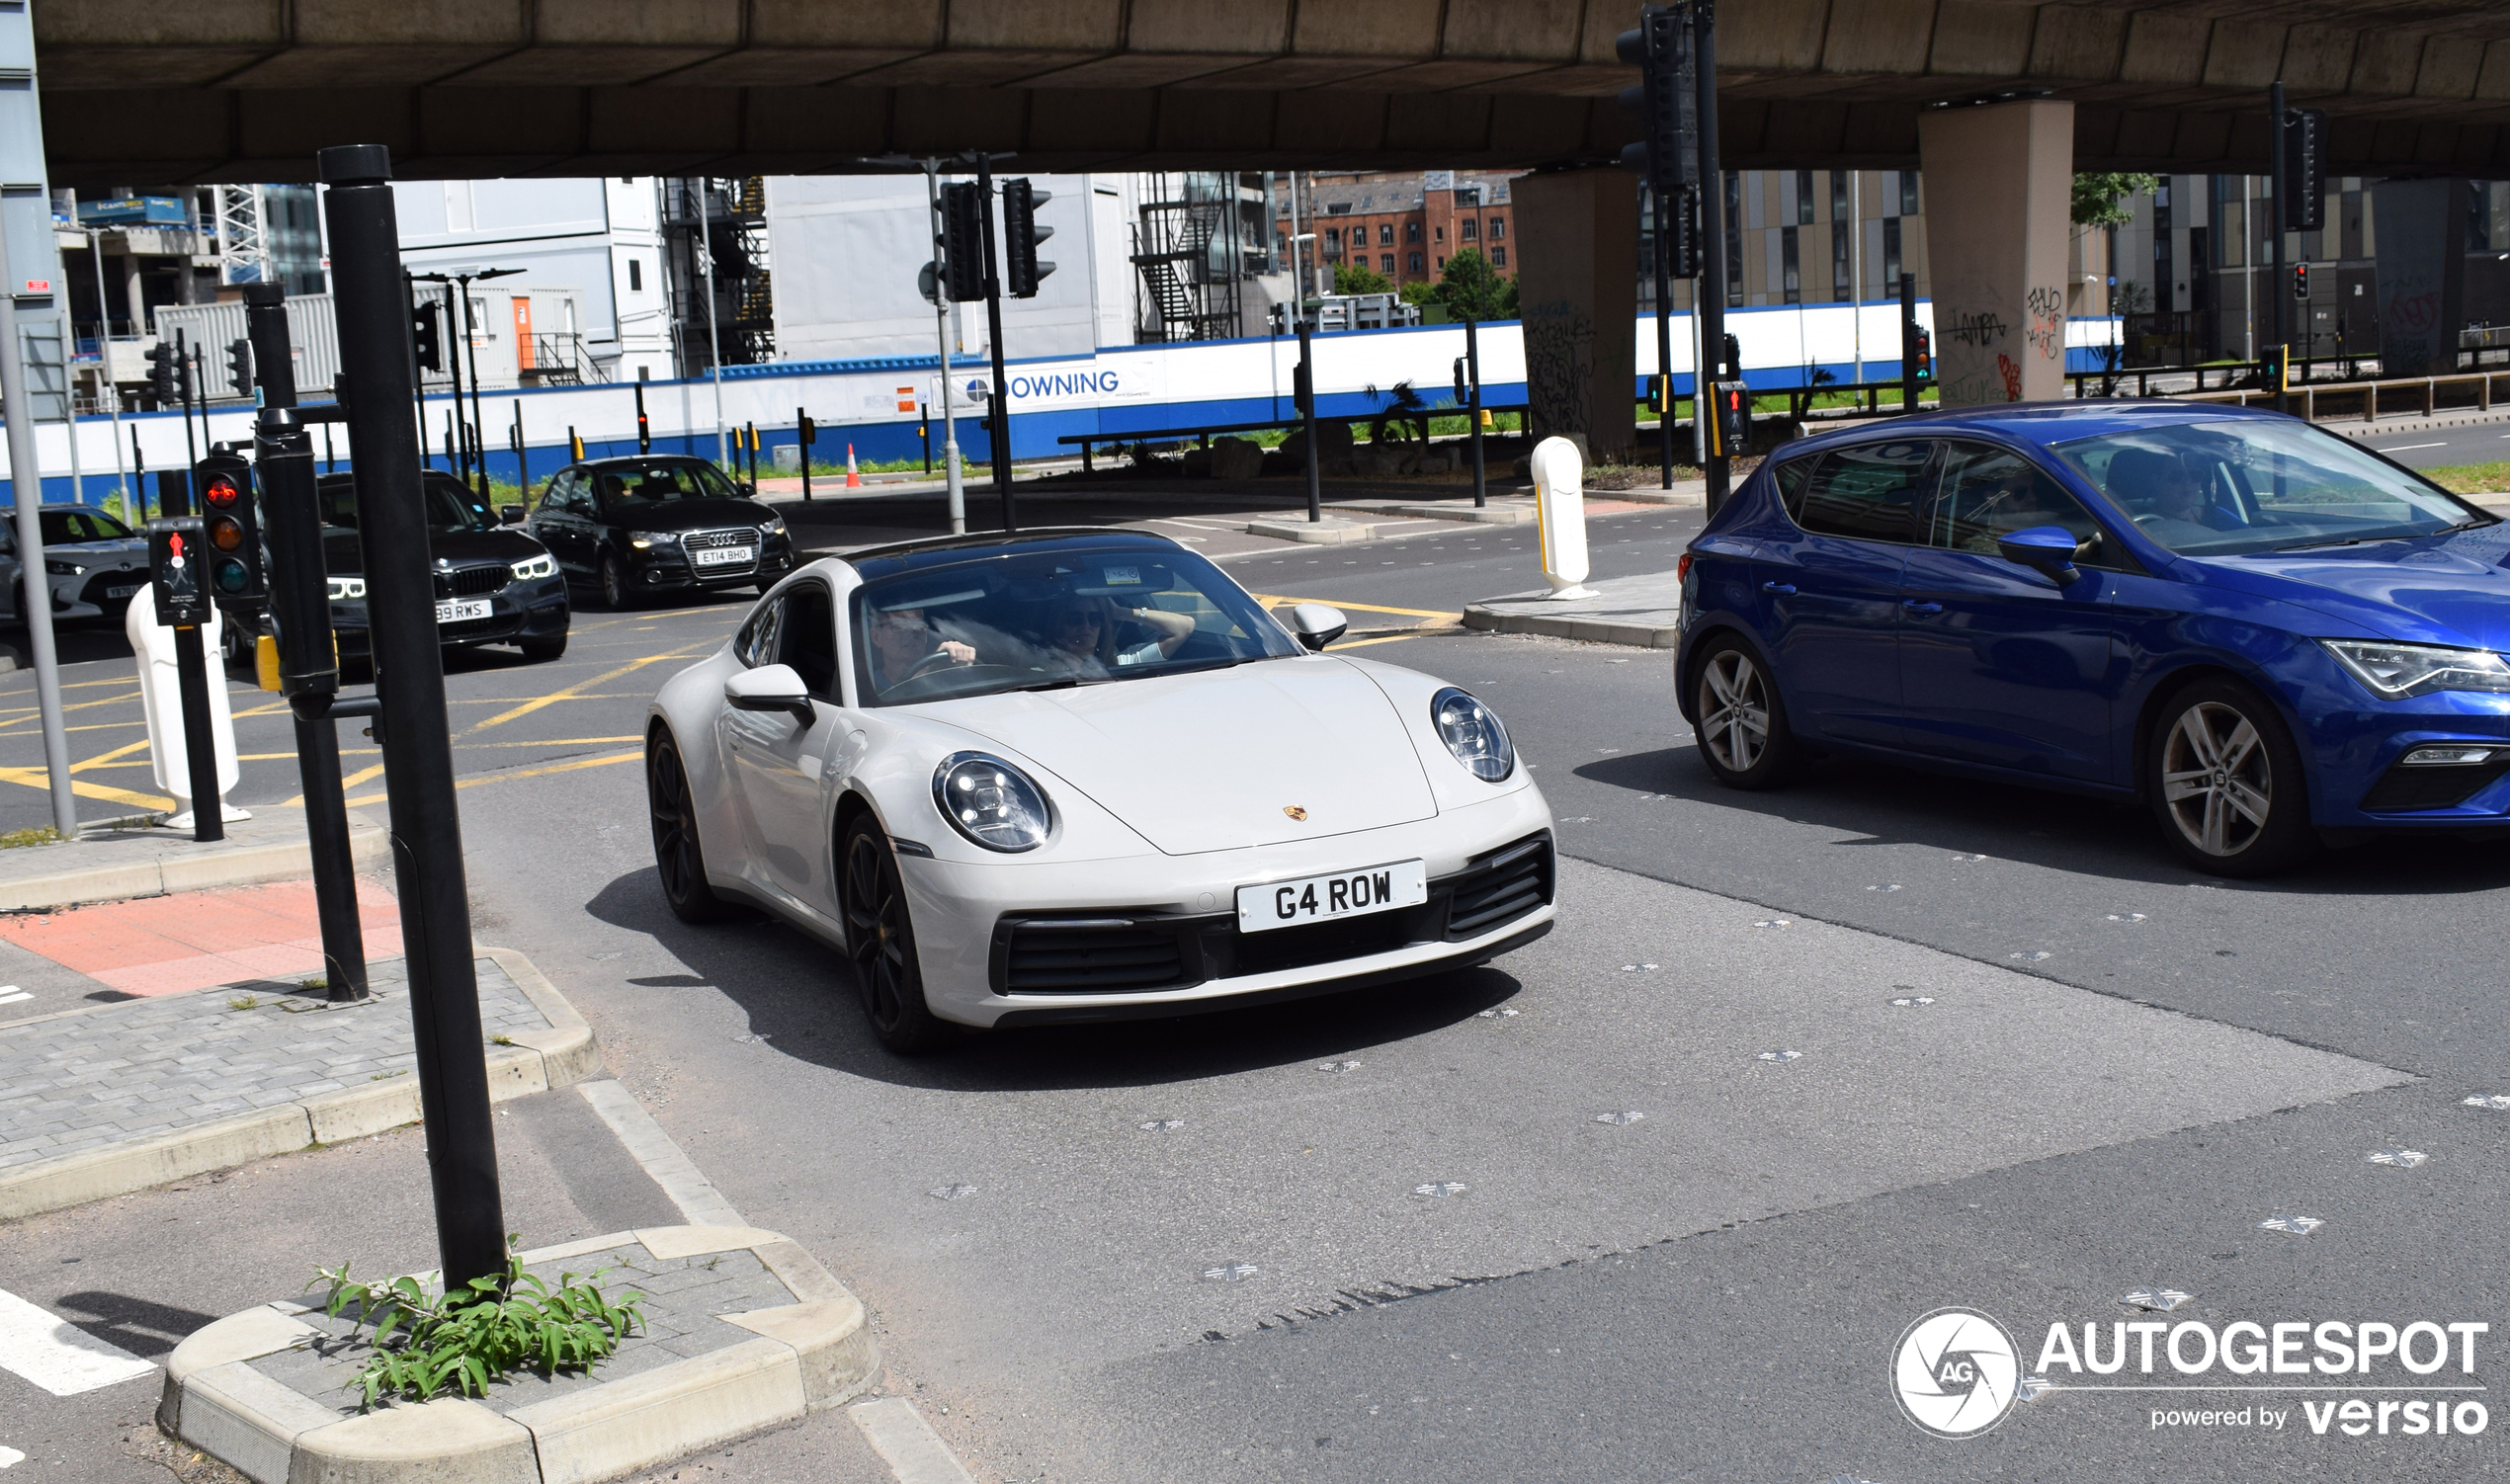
x: 1643, y: 610
x: 117, y: 858
x: 196, y: 939
x: 106, y: 1100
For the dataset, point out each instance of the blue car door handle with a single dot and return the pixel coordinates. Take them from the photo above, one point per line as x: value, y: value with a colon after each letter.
x: 1783, y: 590
x: 1915, y: 607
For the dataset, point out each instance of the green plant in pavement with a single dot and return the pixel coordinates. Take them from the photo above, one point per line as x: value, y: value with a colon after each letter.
x: 40, y: 835
x: 429, y: 1344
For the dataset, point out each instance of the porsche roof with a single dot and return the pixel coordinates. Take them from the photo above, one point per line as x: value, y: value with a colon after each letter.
x: 943, y: 550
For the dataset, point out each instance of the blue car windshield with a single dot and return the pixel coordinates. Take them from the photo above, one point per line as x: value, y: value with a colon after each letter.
x: 2240, y: 485
x: 1033, y: 620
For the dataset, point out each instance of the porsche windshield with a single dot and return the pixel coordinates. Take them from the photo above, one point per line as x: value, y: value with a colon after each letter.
x: 2240, y: 485
x: 1049, y: 619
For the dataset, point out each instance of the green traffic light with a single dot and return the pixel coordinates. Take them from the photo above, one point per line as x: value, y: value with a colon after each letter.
x: 230, y: 576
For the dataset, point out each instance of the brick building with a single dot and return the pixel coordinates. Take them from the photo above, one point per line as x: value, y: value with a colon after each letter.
x: 1405, y: 226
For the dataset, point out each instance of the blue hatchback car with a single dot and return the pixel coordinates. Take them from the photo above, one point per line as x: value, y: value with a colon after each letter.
x: 2273, y: 638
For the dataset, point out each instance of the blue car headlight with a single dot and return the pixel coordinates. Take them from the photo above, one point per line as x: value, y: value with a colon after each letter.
x: 991, y: 802
x: 2393, y: 672
x: 1471, y: 731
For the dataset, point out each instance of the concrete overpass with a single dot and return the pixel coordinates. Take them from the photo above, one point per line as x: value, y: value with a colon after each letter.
x: 146, y: 90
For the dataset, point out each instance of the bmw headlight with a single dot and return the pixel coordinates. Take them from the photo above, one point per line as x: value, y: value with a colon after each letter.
x: 348, y: 589
x: 991, y: 802
x: 1471, y: 731
x: 2393, y: 672
x: 59, y: 568
x: 643, y: 539
x: 543, y: 565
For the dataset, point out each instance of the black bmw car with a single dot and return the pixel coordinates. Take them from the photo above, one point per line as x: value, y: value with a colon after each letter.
x: 658, y: 524
x: 494, y: 584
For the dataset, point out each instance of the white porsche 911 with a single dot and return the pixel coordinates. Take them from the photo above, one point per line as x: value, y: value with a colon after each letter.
x: 1083, y: 776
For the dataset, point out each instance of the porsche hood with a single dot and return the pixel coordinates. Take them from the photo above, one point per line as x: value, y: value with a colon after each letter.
x: 1254, y: 755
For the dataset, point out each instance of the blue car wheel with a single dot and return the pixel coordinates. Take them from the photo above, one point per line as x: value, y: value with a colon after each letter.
x: 2226, y: 782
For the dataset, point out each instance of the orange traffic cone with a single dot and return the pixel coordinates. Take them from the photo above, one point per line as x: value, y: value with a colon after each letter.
x: 853, y: 480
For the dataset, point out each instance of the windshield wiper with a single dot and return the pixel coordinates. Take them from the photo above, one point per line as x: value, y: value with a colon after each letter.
x: 2342, y: 540
x: 1063, y: 684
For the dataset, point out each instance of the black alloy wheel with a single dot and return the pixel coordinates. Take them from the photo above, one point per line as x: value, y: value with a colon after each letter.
x: 879, y: 938
x: 616, y: 592
x: 1742, y: 731
x: 677, y: 855
x: 2226, y: 782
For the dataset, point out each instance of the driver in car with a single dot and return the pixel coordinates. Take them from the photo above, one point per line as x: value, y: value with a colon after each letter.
x: 904, y: 645
x: 2163, y: 497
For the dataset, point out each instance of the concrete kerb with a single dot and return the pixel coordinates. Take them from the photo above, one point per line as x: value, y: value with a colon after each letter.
x: 812, y: 1354
x: 539, y: 1061
x: 87, y: 870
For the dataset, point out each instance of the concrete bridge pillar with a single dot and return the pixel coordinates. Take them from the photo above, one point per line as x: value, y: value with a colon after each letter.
x: 1577, y: 293
x: 2420, y: 231
x: 1999, y: 188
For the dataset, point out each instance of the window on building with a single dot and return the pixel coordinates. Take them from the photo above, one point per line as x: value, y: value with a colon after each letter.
x: 1498, y: 257
x: 1468, y: 230
x: 1804, y: 200
x: 1469, y: 196
x: 1385, y: 264
x: 1333, y: 240
x: 1411, y: 232
x: 1416, y: 262
x: 635, y: 273
x: 1442, y: 262
x: 1891, y: 255
x: 1908, y: 192
x: 1842, y: 285
x: 1498, y: 229
x: 1438, y: 233
x: 1790, y: 275
x: 1840, y: 209
x: 1385, y: 234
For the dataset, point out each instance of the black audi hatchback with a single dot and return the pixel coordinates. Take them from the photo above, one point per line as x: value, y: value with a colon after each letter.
x: 658, y: 524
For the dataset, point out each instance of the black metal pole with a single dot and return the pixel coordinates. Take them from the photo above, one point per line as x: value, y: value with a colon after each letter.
x: 1710, y: 299
x: 804, y: 437
x: 924, y: 425
x: 2277, y: 288
x: 425, y: 811
x: 192, y: 674
x: 479, y: 418
x: 418, y: 373
x: 191, y: 449
x: 1305, y: 384
x: 521, y: 456
x: 455, y: 463
x: 139, y: 471
x: 1908, y: 345
x: 1665, y: 211
x: 299, y: 600
x: 998, y: 419
x: 1472, y: 413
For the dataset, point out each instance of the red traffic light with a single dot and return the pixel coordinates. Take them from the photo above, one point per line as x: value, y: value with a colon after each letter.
x: 222, y: 491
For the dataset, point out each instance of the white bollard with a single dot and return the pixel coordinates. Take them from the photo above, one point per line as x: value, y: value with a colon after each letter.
x: 1559, y: 512
x: 161, y: 702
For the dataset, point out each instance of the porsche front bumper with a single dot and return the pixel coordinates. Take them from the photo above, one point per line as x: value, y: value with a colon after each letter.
x: 1028, y: 943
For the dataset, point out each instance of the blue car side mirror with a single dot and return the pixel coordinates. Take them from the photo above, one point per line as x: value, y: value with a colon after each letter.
x: 2046, y: 548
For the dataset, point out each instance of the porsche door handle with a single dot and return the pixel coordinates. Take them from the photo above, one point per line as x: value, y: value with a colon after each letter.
x: 1915, y: 607
x: 1782, y: 589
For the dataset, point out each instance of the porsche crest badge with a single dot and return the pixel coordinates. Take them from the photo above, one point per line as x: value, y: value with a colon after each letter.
x: 1294, y: 811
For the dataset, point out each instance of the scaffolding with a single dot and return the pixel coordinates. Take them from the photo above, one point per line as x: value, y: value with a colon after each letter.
x: 729, y: 215
x: 1195, y: 245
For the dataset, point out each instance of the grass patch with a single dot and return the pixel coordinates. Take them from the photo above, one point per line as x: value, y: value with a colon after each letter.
x: 2458, y: 478
x: 244, y: 1002
x: 43, y: 835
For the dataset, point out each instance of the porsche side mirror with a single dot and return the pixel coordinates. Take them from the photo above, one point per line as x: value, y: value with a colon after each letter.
x: 509, y: 514
x: 771, y: 688
x: 2046, y: 548
x: 1315, y: 624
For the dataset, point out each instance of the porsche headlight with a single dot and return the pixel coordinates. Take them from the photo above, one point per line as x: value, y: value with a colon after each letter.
x: 531, y: 567
x: 991, y: 802
x: 2393, y: 672
x: 1471, y: 731
x: 347, y: 589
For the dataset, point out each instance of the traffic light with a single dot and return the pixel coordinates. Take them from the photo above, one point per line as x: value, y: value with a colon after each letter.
x: 1677, y: 232
x: 1732, y: 424
x: 2300, y: 280
x: 239, y: 367
x: 1733, y: 355
x: 1921, y: 343
x: 2304, y: 169
x: 174, y: 571
x: 1666, y: 99
x: 963, y: 241
x: 229, y: 531
x: 183, y: 374
x: 425, y: 339
x: 160, y: 358
x: 1021, y: 235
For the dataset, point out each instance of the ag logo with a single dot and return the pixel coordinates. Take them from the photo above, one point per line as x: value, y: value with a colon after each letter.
x: 1955, y: 1372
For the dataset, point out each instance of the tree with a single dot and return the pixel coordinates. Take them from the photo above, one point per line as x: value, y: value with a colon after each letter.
x: 1420, y: 292
x: 1471, y: 288
x: 1359, y: 278
x: 2099, y: 196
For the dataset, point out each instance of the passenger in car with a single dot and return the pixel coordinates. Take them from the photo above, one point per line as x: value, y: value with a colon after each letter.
x: 1080, y: 638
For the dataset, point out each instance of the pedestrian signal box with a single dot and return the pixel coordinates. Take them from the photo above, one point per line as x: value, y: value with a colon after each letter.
x: 174, y: 571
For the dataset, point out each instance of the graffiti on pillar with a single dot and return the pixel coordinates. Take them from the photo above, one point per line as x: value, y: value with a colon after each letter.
x: 2012, y: 375
x: 1559, y: 365
x: 2046, y: 331
x: 1980, y: 330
